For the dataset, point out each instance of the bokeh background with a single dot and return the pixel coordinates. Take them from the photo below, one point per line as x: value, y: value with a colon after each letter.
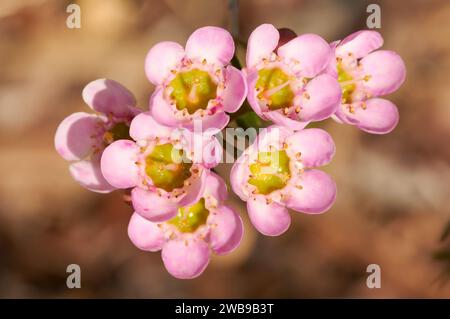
x: 393, y: 202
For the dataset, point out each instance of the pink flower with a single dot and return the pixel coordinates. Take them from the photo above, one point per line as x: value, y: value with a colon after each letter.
x: 188, y: 239
x: 166, y: 167
x: 195, y: 82
x: 284, y: 84
x: 364, y: 74
x: 277, y: 172
x: 82, y: 137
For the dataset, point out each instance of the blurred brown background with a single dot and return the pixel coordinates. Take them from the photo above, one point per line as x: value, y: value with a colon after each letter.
x: 393, y: 190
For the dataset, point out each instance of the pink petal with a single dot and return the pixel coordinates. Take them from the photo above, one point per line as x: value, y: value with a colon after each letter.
x: 360, y: 43
x: 228, y: 232
x: 270, y: 219
x: 316, y: 195
x: 218, y: 120
x: 195, y: 190
x: 109, y: 97
x: 151, y: 206
x: 77, y: 135
x: 161, y: 59
x: 322, y: 98
x: 313, y: 53
x: 273, y: 135
x: 144, y: 234
x: 315, y: 146
x: 238, y: 179
x: 380, y: 116
x: 261, y: 43
x: 331, y: 67
x: 280, y: 119
x: 118, y: 164
x: 252, y: 78
x: 89, y: 175
x: 235, y: 89
x: 216, y: 187
x: 144, y: 127
x: 203, y: 144
x: 185, y: 260
x: 211, y: 43
x: 386, y: 71
x: 161, y: 110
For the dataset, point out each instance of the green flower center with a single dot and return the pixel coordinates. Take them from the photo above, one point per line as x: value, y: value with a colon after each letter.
x: 273, y: 85
x: 192, y: 90
x: 190, y: 218
x: 270, y: 172
x: 120, y: 131
x: 167, y: 167
x: 347, y: 89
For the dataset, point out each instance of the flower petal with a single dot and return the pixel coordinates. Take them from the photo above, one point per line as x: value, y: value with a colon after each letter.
x: 386, y: 71
x: 238, y: 178
x: 216, y: 187
x: 228, y: 230
x: 360, y: 43
x: 313, y: 53
x: 211, y: 43
x: 252, y: 99
x: 321, y: 98
x: 261, y: 43
x: 380, y: 116
x: 89, y: 175
x: 109, y: 97
x: 271, y: 219
x: 315, y: 146
x: 151, y: 206
x: 161, y: 59
x: 144, y: 127
x: 185, y: 260
x: 145, y: 234
x: 118, y: 164
x: 161, y: 110
x: 77, y: 135
x: 331, y: 67
x: 218, y: 120
x: 280, y: 119
x: 274, y: 135
x: 235, y: 89
x: 206, y: 149
x: 195, y: 190
x: 316, y: 194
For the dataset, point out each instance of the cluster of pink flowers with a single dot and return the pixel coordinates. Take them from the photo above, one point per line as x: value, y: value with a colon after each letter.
x: 180, y: 204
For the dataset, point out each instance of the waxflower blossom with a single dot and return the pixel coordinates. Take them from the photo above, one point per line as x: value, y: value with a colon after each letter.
x: 364, y: 74
x: 188, y: 239
x: 278, y: 172
x: 166, y: 167
x: 195, y: 82
x: 284, y: 80
x: 82, y: 137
